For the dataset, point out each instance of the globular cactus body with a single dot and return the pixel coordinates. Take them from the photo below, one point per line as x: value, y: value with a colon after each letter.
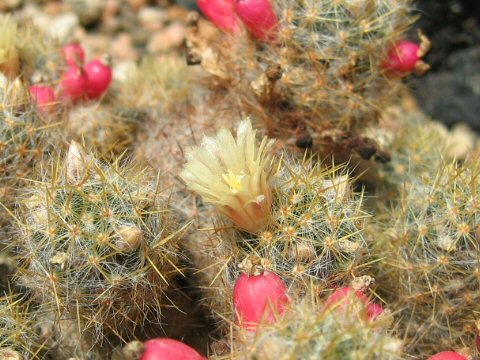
x: 98, y: 244
x: 18, y: 336
x: 432, y: 256
x: 307, y: 333
x: 315, y: 230
x: 318, y: 71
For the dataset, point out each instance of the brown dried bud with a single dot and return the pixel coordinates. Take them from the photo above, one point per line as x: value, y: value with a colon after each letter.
x: 133, y: 350
x: 362, y: 283
x: 130, y: 237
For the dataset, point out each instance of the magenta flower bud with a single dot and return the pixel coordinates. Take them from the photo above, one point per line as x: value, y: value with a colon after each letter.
x: 221, y: 13
x: 259, y: 18
x: 99, y: 75
x: 73, y: 54
x: 447, y: 355
x: 403, y: 57
x: 258, y: 298
x: 73, y: 84
x: 169, y: 349
x: 44, y: 97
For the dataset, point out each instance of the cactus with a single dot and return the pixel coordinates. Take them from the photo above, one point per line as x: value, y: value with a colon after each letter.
x: 102, y: 128
x: 24, y: 140
x: 430, y: 270
x: 307, y: 332
x: 416, y: 144
x: 323, y: 73
x: 316, y: 226
x: 98, y: 243
x: 306, y: 227
x: 20, y: 132
x: 18, y: 338
x: 304, y: 219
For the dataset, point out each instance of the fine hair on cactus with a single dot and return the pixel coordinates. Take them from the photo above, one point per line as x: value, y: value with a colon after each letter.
x: 316, y: 224
x: 98, y: 243
x: 306, y: 332
x: 18, y: 336
x: 431, y: 256
x: 323, y: 73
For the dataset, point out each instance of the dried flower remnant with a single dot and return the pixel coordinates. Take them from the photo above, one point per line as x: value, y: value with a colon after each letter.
x: 233, y: 174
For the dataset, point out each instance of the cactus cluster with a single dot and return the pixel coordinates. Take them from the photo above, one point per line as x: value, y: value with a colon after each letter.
x: 318, y: 77
x: 277, y: 243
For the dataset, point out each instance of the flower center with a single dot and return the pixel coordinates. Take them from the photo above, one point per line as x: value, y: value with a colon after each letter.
x: 233, y: 181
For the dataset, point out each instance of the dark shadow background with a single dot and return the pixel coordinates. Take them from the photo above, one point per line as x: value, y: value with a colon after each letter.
x: 450, y: 91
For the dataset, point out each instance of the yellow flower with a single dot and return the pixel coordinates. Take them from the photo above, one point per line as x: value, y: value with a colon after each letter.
x: 9, y: 60
x: 233, y: 174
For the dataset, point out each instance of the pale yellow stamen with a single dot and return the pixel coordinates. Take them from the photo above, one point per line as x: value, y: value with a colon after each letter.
x: 233, y: 181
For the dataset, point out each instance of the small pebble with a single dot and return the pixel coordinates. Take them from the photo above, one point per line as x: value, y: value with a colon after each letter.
x: 63, y: 26
x: 167, y: 39
x: 152, y: 18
